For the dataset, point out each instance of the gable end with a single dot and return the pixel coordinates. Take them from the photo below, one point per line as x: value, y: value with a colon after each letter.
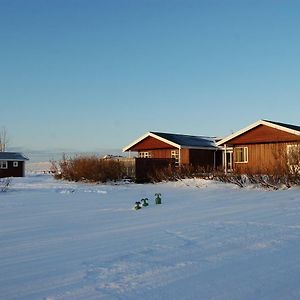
x: 263, y: 134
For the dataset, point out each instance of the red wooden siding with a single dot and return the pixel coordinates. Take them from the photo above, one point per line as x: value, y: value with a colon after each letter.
x: 150, y: 143
x: 195, y: 157
x: 161, y: 153
x: 263, y: 159
x: 166, y: 153
x: 263, y: 134
x: 185, y: 156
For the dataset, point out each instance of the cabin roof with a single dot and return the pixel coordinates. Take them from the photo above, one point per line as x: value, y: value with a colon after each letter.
x: 178, y: 140
x: 187, y: 140
x: 12, y: 156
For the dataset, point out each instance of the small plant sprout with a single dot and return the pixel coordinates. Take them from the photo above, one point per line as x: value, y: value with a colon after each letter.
x: 158, y: 198
x: 137, y: 205
x: 145, y: 202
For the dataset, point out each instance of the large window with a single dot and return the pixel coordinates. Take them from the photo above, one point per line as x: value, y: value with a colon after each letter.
x: 241, y: 154
x: 145, y: 154
x: 3, y: 165
x: 293, y: 158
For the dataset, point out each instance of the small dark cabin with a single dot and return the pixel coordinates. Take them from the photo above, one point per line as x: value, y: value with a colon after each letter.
x: 12, y: 164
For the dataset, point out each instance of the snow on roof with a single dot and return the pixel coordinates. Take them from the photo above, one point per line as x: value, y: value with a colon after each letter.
x: 15, y: 156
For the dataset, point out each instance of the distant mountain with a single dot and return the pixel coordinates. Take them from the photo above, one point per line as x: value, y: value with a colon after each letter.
x: 36, y: 156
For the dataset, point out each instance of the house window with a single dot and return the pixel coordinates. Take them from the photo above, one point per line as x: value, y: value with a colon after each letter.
x: 145, y: 154
x: 175, y: 155
x: 3, y: 165
x: 293, y: 158
x: 15, y: 164
x: 241, y: 154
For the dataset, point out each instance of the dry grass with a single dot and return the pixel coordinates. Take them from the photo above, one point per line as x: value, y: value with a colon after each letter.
x: 88, y: 168
x: 176, y: 173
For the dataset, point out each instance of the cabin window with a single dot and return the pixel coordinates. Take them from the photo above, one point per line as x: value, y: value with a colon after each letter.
x: 3, y: 165
x: 241, y: 154
x: 145, y: 154
x: 175, y: 155
x: 15, y: 164
x: 293, y: 158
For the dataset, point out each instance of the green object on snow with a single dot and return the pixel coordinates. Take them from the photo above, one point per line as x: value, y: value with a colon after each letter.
x: 158, y: 198
x: 137, y: 205
x: 145, y: 202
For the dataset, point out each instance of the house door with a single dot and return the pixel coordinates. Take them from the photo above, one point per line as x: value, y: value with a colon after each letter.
x: 229, y: 160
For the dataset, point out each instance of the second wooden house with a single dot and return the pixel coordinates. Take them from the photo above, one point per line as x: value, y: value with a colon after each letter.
x: 159, y: 149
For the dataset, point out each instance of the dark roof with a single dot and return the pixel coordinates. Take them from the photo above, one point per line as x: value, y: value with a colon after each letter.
x: 16, y: 156
x: 289, y: 126
x: 188, y: 140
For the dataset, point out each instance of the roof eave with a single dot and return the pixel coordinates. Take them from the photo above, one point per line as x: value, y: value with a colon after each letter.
x: 279, y: 127
x: 10, y: 159
x: 257, y: 123
x: 241, y: 131
x: 165, y: 140
x: 200, y: 148
x: 127, y: 148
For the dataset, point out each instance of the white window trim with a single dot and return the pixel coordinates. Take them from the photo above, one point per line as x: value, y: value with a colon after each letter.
x: 15, y: 164
x: 245, y: 154
x: 3, y: 164
x: 175, y: 155
x: 229, y: 162
x: 144, y: 154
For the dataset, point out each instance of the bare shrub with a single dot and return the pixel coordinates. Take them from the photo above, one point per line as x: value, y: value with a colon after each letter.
x: 273, y: 182
x: 173, y: 173
x: 4, y: 184
x: 88, y: 168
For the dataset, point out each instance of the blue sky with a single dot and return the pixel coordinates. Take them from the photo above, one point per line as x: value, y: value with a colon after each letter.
x: 87, y: 75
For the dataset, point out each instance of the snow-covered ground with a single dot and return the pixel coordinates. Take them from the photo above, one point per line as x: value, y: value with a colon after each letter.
x: 38, y: 167
x: 207, y: 240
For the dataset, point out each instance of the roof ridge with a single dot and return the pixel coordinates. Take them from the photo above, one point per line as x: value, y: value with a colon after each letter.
x: 191, y: 135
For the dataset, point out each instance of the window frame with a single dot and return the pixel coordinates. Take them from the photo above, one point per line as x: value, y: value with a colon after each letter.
x: 293, y: 149
x: 15, y: 164
x: 3, y: 165
x: 244, y: 155
x: 145, y: 154
x: 175, y: 155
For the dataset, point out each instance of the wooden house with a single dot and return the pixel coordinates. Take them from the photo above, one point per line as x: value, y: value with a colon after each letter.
x: 12, y: 164
x: 158, y: 150
x: 265, y: 147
